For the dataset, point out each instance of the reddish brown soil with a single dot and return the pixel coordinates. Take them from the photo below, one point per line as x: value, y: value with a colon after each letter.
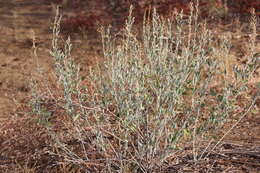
x: 19, y: 19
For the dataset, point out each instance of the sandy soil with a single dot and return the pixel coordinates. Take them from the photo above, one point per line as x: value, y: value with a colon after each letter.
x: 20, y: 19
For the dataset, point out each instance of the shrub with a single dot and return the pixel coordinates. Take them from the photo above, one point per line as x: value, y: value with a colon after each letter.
x: 150, y: 97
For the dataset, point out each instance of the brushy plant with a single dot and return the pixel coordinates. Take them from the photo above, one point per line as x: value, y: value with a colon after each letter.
x: 149, y: 97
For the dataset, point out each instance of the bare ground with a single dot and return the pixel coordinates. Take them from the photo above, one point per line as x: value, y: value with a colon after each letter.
x: 19, y: 20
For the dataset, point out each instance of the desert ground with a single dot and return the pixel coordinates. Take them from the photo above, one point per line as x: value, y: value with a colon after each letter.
x: 21, y: 20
